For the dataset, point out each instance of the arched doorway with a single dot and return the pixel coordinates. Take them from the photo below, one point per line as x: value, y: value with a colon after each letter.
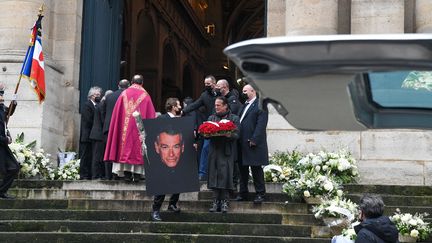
x: 146, y: 54
x: 169, y: 74
x: 188, y: 85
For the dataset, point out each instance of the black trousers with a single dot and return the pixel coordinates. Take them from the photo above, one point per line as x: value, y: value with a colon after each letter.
x: 86, y: 160
x: 11, y: 171
x: 258, y: 180
x: 98, y: 166
x: 158, y: 200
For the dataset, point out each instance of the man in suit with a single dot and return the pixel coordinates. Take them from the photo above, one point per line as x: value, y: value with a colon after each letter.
x: 9, y: 166
x: 253, y: 149
x: 169, y: 146
x: 87, y: 115
x: 106, y: 110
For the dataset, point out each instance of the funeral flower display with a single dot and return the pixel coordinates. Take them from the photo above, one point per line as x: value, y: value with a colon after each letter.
x: 69, y: 171
x: 281, y: 166
x: 341, y: 165
x: 312, y: 184
x: 336, y: 207
x: 213, y: 129
x: 34, y: 163
x: 411, y: 225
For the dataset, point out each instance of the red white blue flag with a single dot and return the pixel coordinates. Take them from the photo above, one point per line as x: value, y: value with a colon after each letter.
x: 33, y: 66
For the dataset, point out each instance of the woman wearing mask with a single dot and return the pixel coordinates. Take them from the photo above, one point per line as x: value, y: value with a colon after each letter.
x: 222, y: 154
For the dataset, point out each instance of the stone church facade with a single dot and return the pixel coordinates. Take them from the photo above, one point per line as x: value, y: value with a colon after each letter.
x: 384, y: 156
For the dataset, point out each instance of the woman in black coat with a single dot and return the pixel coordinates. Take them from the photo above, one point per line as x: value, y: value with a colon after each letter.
x: 222, y: 154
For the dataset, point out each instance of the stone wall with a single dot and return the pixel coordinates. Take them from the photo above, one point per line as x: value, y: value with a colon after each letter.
x: 54, y: 124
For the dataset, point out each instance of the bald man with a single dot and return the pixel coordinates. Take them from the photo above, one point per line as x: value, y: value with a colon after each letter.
x: 223, y: 87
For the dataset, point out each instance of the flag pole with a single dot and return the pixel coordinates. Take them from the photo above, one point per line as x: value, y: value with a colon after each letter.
x: 13, y: 103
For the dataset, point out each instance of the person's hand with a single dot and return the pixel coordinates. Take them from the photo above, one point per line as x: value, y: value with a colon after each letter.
x: 251, y: 144
x: 195, y: 146
x: 9, y: 139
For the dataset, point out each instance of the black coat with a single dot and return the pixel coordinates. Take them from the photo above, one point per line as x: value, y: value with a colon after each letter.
x: 7, y: 159
x: 96, y: 131
x: 207, y: 99
x: 107, y: 109
x: 222, y: 154
x: 253, y: 128
x: 234, y: 103
x: 87, y: 113
x: 376, y: 230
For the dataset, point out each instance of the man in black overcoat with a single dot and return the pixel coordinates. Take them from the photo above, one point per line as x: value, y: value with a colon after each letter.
x: 253, y: 151
x: 87, y: 115
x: 9, y: 166
x: 107, y: 108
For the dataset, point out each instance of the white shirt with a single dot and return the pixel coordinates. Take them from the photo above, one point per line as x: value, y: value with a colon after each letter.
x: 247, y: 108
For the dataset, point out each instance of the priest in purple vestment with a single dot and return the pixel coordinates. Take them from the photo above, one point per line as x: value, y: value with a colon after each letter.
x: 123, y: 146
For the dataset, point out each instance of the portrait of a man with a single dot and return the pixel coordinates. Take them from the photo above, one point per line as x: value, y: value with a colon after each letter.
x: 171, y: 165
x: 170, y: 147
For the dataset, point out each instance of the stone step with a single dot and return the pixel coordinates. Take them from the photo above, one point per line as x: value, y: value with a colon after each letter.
x: 115, y: 215
x: 152, y: 227
x: 55, y: 193
x: 36, y: 237
x: 397, y: 200
x: 145, y: 205
x: 389, y: 190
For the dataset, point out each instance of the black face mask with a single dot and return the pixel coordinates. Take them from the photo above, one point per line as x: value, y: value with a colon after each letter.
x: 208, y: 89
x: 244, y: 96
x: 1, y: 92
x: 97, y: 99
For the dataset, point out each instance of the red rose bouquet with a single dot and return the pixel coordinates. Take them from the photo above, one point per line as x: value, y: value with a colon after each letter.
x: 212, y: 129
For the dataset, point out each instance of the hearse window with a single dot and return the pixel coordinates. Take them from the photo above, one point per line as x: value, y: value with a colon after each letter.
x: 402, y: 89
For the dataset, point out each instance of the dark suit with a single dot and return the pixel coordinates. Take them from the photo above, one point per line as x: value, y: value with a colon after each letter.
x: 158, y: 200
x: 9, y: 166
x: 253, y: 129
x: 107, y: 108
x: 98, y: 144
x: 87, y: 116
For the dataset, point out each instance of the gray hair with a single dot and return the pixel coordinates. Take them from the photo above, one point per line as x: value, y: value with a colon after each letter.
x: 224, y: 82
x: 372, y: 206
x: 93, y: 90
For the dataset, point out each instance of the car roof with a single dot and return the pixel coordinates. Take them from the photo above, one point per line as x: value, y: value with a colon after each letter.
x: 327, y: 82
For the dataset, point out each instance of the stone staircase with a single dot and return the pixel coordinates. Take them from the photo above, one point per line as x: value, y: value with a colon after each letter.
x: 117, y: 211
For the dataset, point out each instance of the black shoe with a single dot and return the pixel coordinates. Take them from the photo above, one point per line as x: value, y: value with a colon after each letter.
x: 173, y: 208
x: 224, y: 206
x: 216, y: 206
x: 155, y: 216
x: 241, y: 198
x: 259, y: 199
x: 6, y: 196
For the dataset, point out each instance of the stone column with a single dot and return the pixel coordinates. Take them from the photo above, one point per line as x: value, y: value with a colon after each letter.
x: 311, y: 17
x: 276, y: 18
x: 423, y: 16
x: 377, y: 16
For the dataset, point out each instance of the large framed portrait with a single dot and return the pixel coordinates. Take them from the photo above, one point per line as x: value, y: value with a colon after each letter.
x: 171, y: 163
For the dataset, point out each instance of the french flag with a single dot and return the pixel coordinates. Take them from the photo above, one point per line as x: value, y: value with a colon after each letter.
x: 33, y: 66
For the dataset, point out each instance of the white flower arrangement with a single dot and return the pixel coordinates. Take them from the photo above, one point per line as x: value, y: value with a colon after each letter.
x: 312, y: 184
x: 411, y: 225
x: 33, y: 163
x: 69, y: 171
x: 336, y: 207
x: 341, y: 165
x: 281, y: 166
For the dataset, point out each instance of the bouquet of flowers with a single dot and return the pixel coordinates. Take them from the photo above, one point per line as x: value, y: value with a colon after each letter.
x: 312, y: 184
x: 281, y: 167
x: 33, y: 163
x: 70, y: 171
x: 213, y: 129
x: 411, y: 225
x: 336, y: 207
x: 341, y: 165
